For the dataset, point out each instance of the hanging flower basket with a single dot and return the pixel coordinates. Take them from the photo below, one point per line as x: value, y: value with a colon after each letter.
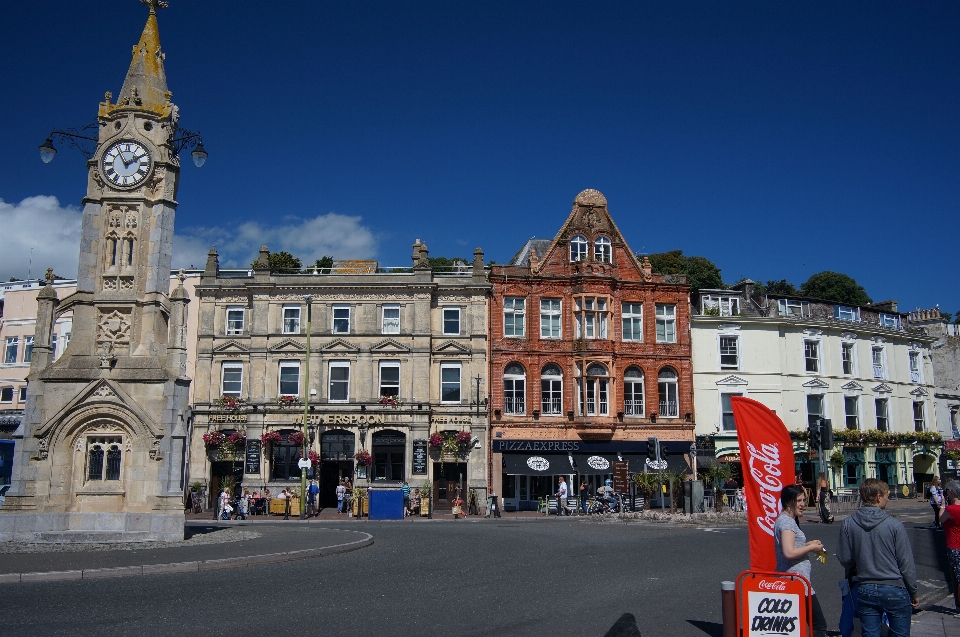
x: 231, y: 404
x: 238, y: 439
x: 393, y: 401
x: 464, y: 438
x: 214, y: 439
x: 296, y: 438
x: 288, y: 401
x: 436, y: 440
x: 270, y: 437
x: 363, y: 458
x: 314, y: 457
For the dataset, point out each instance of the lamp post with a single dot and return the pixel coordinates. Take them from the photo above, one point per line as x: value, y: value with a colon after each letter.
x: 308, y: 300
x: 87, y: 144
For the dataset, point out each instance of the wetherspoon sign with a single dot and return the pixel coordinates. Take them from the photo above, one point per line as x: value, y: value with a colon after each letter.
x: 773, y: 604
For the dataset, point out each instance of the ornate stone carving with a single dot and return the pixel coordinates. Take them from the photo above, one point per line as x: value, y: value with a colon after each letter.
x: 116, y: 218
x: 43, y: 449
x: 114, y: 327
x: 130, y: 219
x: 155, y: 450
x: 126, y: 283
x: 103, y: 391
x: 109, y: 284
x: 105, y: 354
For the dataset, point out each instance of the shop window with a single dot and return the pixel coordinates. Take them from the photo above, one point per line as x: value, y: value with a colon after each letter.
x: 514, y: 386
x: 633, y: 392
x: 388, y: 455
x: 337, y: 445
x: 667, y: 393
x: 286, y: 455
x: 551, y: 390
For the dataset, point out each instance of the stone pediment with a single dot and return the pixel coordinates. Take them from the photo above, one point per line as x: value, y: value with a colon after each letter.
x: 451, y: 347
x: 340, y: 345
x: 816, y: 383
x: 883, y: 388
x: 101, y: 396
x: 852, y: 386
x: 732, y: 380
x: 388, y: 345
x: 288, y: 345
x: 919, y: 391
x: 230, y: 347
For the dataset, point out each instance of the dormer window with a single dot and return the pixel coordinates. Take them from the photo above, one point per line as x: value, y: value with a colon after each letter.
x: 720, y: 305
x: 890, y: 320
x: 602, y: 250
x: 578, y: 248
x: 844, y: 313
x: 793, y: 309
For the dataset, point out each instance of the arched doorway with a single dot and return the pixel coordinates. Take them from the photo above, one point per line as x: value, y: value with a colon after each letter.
x: 337, y: 447
x: 449, y: 472
x: 226, y: 467
x: 923, y: 470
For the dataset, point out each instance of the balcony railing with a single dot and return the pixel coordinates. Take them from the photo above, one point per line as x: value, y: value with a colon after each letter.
x: 633, y: 407
x: 668, y: 409
x: 551, y: 406
x: 513, y: 406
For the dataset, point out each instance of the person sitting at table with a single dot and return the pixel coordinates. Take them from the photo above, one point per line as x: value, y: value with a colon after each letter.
x: 282, y: 495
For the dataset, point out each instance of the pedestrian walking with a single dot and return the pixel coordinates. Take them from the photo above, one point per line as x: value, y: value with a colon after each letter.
x: 584, y: 496
x: 341, y: 493
x: 561, y: 494
x: 874, y: 547
x: 936, y: 501
x: 792, y: 548
x: 951, y: 528
x: 405, y: 490
x: 222, y: 502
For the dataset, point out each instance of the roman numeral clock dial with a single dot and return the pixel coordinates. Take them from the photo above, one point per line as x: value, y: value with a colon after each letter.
x: 126, y: 164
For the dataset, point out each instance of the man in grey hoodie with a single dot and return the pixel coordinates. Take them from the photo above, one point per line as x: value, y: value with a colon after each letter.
x: 874, y: 548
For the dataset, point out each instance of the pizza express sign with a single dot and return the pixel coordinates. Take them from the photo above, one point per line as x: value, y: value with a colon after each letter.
x: 542, y: 446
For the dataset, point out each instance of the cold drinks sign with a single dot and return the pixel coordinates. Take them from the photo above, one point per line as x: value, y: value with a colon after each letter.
x: 773, y: 604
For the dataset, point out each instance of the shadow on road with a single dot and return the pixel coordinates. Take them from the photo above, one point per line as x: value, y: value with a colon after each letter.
x: 709, y: 628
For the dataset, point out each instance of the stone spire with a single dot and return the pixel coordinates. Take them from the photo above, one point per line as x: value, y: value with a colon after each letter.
x: 146, y: 82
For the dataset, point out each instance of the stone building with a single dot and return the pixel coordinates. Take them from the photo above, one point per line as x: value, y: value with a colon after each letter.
x: 945, y: 355
x: 861, y: 367
x: 394, y: 358
x: 99, y: 452
x: 589, y: 356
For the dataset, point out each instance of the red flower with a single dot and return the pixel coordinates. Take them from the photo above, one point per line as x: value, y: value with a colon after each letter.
x: 296, y: 438
x: 436, y: 440
x: 464, y: 437
x: 270, y: 437
x: 363, y: 458
x: 214, y: 438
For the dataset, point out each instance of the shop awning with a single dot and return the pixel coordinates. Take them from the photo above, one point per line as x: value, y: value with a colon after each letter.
x: 537, y: 464
x: 589, y: 464
x: 638, y: 463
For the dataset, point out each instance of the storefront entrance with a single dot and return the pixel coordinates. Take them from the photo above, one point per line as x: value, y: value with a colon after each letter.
x: 336, y: 462
x: 447, y: 476
x: 219, y: 471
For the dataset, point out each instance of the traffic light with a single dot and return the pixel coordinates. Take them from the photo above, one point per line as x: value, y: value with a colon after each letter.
x: 813, y: 435
x: 663, y: 450
x: 653, y: 449
x: 826, y: 434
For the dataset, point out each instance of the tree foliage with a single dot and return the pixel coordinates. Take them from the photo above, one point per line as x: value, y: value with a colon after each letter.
x: 837, y: 287
x: 702, y: 273
x: 443, y: 264
x: 323, y: 265
x: 282, y: 261
x: 776, y: 287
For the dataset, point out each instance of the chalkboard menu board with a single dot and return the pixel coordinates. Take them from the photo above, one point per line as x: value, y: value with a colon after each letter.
x: 620, y: 470
x: 253, y: 456
x: 419, y: 457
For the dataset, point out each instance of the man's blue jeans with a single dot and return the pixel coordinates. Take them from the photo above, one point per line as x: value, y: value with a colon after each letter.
x: 876, y: 599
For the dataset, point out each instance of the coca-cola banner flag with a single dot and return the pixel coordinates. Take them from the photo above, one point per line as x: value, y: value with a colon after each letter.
x: 766, y: 455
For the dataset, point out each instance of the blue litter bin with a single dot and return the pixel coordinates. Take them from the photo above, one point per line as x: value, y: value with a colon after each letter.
x: 386, y: 504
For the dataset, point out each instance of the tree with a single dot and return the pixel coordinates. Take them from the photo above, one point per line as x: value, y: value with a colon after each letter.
x: 282, y: 261
x: 323, y: 265
x: 776, y: 287
x: 443, y: 264
x: 702, y: 273
x: 837, y: 287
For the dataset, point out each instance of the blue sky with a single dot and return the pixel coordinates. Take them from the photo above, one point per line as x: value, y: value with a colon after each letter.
x: 777, y: 139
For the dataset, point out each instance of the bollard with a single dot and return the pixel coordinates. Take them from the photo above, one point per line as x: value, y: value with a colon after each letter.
x: 728, y: 608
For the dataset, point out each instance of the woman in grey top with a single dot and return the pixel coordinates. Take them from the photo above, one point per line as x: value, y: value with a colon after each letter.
x: 793, y: 549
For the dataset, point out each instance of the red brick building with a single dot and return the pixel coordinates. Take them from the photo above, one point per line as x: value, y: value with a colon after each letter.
x: 589, y: 356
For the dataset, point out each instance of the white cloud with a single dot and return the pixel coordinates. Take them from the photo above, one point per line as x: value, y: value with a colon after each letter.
x: 53, y: 231
x: 40, y: 223
x: 339, y: 236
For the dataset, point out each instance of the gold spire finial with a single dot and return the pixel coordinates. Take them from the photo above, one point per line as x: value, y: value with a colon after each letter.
x: 156, y: 4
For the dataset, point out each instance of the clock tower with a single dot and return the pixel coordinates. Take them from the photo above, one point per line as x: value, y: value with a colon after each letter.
x: 99, y: 455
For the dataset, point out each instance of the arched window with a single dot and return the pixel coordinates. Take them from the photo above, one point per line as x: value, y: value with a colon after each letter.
x: 100, y: 448
x: 388, y: 448
x: 602, y: 250
x: 594, y: 391
x: 667, y: 391
x: 551, y: 390
x: 578, y: 248
x: 514, y: 388
x: 633, y: 391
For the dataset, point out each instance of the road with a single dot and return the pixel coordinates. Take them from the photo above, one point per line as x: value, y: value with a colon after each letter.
x: 475, y: 577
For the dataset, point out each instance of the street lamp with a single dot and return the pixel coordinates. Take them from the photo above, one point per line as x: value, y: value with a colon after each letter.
x: 47, y: 151
x: 87, y: 144
x: 308, y: 300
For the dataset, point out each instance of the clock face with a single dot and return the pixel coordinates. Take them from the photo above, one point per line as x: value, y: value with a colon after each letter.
x: 126, y: 164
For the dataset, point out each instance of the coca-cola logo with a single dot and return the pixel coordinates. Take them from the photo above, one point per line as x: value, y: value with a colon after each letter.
x: 764, y: 466
x: 775, y: 585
